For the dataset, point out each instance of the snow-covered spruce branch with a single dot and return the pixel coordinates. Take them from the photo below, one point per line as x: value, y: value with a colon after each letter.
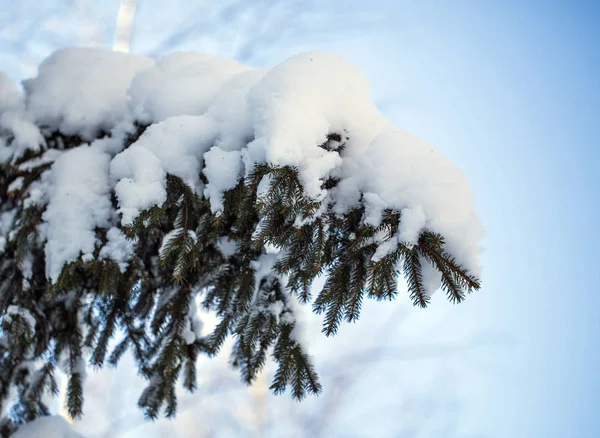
x: 131, y: 189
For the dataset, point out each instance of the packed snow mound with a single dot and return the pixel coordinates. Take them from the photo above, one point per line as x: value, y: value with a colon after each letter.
x: 47, y: 427
x: 13, y: 119
x: 218, y: 118
x: 79, y: 193
x: 172, y: 86
x: 82, y: 91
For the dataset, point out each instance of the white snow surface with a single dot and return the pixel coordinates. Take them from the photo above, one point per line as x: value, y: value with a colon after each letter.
x: 47, y: 427
x: 228, y: 247
x: 16, y: 185
x: 140, y: 181
x: 79, y: 194
x: 174, y: 146
x: 221, y: 118
x: 223, y: 171
x: 16, y: 121
x: 82, y: 90
x: 180, y: 83
x: 118, y: 248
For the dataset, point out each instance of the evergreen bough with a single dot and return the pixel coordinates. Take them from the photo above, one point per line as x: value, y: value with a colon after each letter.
x: 177, y: 260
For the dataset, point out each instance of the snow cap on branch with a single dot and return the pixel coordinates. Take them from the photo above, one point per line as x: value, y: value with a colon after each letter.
x: 131, y: 188
x: 249, y: 117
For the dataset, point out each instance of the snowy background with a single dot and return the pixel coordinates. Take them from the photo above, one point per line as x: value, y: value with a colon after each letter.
x: 510, y: 92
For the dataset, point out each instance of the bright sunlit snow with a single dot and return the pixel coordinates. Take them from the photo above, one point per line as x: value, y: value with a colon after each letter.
x: 221, y: 118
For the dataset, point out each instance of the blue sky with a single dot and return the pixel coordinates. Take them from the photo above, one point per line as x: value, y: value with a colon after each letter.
x: 510, y: 91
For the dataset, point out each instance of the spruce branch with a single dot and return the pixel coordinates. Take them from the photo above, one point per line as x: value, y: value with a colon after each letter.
x: 414, y: 277
x: 182, y: 251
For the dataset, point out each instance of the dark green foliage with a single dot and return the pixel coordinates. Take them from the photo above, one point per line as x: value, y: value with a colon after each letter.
x: 96, y: 312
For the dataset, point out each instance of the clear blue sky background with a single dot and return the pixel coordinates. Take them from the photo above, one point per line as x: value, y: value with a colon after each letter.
x: 510, y: 90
